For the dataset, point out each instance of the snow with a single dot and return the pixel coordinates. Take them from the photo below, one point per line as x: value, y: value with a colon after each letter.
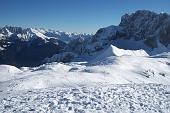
x: 117, y: 82
x: 106, y: 70
x: 39, y: 34
x: 112, y: 79
x: 1, y: 48
x: 126, y: 98
x: 111, y: 66
x: 1, y: 35
x: 114, y: 51
x: 109, y: 31
x: 41, y: 30
x: 8, y: 32
x: 8, y: 72
x: 160, y: 49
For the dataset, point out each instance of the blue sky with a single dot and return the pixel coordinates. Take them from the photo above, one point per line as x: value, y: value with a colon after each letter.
x: 84, y: 16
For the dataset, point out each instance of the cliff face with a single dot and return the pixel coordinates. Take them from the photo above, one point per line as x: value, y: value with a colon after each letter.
x: 148, y: 26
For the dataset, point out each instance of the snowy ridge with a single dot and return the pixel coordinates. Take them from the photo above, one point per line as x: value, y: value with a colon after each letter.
x: 114, y: 51
x: 39, y: 34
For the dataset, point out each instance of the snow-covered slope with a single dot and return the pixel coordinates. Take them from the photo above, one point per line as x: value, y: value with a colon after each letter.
x: 112, y: 83
x: 38, y: 33
x: 106, y: 70
x: 8, y: 72
x: 114, y: 80
x: 114, y: 51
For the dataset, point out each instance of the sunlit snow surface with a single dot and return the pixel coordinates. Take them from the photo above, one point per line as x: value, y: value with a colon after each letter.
x: 129, y: 98
x: 126, y: 83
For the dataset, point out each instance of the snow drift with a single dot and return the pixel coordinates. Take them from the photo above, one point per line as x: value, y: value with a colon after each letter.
x: 114, y: 51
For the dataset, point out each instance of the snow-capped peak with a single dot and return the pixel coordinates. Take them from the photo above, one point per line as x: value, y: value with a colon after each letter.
x: 39, y: 34
x: 8, y: 32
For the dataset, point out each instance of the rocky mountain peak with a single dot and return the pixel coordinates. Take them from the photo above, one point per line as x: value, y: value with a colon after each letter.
x: 147, y: 25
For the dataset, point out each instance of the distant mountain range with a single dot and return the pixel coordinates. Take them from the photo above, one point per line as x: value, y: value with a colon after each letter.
x: 28, y: 47
x: 143, y: 29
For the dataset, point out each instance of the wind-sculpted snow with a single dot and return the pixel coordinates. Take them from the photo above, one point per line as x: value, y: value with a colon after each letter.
x: 127, y: 98
x: 114, y: 51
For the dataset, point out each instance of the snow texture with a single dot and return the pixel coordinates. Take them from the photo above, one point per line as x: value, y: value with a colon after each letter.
x: 126, y: 98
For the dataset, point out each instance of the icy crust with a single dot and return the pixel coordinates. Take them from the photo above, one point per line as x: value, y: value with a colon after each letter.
x: 128, y: 98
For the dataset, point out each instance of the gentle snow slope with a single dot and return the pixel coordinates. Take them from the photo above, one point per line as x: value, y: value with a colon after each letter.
x: 8, y: 72
x: 110, y: 70
x: 112, y: 66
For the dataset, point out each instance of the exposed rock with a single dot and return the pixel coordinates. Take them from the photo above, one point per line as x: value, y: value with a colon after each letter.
x: 150, y: 28
x: 147, y: 25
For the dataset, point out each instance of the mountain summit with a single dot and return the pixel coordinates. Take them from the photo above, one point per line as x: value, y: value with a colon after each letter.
x: 143, y: 29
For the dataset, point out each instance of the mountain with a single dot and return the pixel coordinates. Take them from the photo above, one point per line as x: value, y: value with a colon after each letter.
x: 143, y: 29
x: 29, y: 47
x: 122, y: 69
x: 29, y: 33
